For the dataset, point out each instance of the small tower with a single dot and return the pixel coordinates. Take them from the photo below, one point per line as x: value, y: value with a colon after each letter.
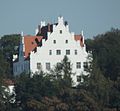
x: 21, y: 47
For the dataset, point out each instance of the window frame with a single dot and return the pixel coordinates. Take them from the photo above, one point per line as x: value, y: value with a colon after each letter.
x: 66, y: 41
x: 78, y: 65
x: 50, y: 52
x: 48, y: 66
x: 60, y: 31
x: 76, y: 52
x: 85, y: 65
x: 39, y: 66
x: 78, y: 78
x: 67, y: 51
x: 58, y: 52
x: 54, y: 41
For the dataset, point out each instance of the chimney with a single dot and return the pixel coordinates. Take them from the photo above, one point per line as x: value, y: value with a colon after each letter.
x: 39, y: 29
x: 66, y: 23
x: 49, y: 27
x: 82, y: 37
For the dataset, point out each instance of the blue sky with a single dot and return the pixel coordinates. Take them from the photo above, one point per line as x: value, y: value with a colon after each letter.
x: 91, y: 16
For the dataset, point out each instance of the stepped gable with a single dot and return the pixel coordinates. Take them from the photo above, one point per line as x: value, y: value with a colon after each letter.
x: 31, y: 42
x: 42, y: 31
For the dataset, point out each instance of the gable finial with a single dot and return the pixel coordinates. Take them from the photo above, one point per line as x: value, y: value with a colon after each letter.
x: 82, y: 32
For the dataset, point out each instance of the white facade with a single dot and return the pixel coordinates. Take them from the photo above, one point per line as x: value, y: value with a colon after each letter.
x: 60, y: 42
x: 20, y: 65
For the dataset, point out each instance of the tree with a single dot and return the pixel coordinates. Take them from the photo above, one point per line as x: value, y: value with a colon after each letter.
x: 105, y: 48
x: 103, y: 82
x: 8, y: 47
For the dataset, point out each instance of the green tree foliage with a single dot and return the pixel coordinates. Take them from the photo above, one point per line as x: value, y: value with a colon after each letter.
x: 63, y: 72
x: 105, y: 48
x: 8, y: 47
x: 4, y: 65
x: 8, y: 43
x: 104, y: 80
x: 53, y: 91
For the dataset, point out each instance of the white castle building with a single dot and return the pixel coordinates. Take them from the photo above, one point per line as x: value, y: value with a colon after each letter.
x: 60, y: 42
x: 55, y: 42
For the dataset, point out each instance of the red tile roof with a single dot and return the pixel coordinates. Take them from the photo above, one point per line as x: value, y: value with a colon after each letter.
x: 31, y: 43
x: 79, y: 38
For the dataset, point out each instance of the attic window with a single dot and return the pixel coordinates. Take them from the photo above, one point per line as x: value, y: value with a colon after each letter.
x: 60, y: 31
x: 66, y: 41
x: 54, y: 41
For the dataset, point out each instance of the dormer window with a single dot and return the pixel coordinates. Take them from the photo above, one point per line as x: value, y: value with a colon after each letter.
x: 60, y: 31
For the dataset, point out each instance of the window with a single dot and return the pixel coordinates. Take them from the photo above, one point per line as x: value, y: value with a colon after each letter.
x: 59, y: 65
x: 66, y: 41
x: 60, y: 31
x: 78, y: 78
x: 54, y: 41
x: 75, y: 52
x: 48, y: 66
x: 78, y: 65
x: 58, y: 52
x: 67, y: 52
x: 39, y: 66
x: 85, y: 65
x: 50, y: 52
x: 68, y: 64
